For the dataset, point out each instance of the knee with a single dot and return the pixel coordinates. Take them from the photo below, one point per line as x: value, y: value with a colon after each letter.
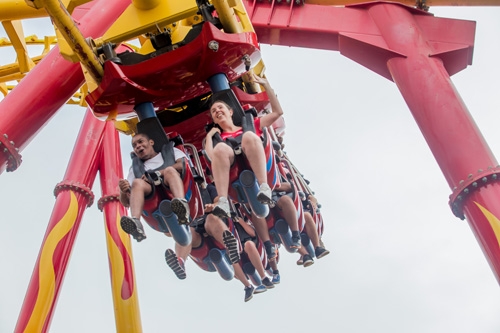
x: 222, y: 152
x: 249, y: 246
x: 250, y: 139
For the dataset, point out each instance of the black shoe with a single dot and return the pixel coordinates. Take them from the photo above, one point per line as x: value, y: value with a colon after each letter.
x: 308, y: 260
x: 174, y: 264
x: 320, y: 252
x: 133, y: 226
x: 295, y: 242
x: 231, y: 245
x: 271, y: 252
x: 266, y: 282
x: 249, y: 293
x: 180, y: 207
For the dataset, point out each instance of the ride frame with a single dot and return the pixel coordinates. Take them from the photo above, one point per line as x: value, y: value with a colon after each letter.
x: 409, y: 46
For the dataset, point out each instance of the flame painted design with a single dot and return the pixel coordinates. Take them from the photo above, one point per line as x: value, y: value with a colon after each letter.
x: 46, y: 274
x: 494, y: 221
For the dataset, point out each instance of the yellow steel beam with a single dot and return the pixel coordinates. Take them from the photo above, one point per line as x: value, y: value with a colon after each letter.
x: 15, y: 32
x: 136, y: 21
x: 18, y: 10
x: 73, y: 36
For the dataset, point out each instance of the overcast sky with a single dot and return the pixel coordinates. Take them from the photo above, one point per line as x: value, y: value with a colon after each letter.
x: 400, y: 262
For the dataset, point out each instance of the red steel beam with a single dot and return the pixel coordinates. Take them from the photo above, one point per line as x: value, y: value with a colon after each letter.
x: 26, y: 109
x: 73, y: 195
x: 418, y: 52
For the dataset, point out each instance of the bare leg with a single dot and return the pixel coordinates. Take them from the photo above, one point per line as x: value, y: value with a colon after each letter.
x: 172, y: 179
x: 285, y: 203
x: 254, y: 257
x: 215, y: 227
x: 140, y: 189
x: 254, y: 151
x: 311, y: 229
x: 260, y: 225
x: 240, y: 275
x: 222, y: 158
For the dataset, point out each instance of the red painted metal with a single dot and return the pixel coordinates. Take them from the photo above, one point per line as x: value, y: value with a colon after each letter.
x: 173, y: 77
x: 48, y: 274
x: 419, y: 53
x: 123, y: 282
x: 34, y: 102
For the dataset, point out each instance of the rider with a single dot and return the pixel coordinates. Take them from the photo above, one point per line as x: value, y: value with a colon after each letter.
x: 222, y: 156
x: 134, y: 191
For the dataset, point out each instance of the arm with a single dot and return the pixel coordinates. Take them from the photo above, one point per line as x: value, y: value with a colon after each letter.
x: 269, y: 118
x: 246, y: 226
x: 209, y: 143
x: 124, y: 186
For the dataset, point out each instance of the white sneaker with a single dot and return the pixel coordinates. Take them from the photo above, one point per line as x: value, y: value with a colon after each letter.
x: 222, y: 208
x: 265, y: 194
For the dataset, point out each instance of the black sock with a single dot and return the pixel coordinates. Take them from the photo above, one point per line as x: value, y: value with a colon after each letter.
x: 276, y: 271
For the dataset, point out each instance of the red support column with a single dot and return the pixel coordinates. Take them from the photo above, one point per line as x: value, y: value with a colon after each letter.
x: 74, y: 195
x: 48, y: 86
x: 123, y: 282
x: 418, y: 52
x: 459, y: 148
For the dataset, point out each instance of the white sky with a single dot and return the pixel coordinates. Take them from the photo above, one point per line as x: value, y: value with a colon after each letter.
x: 400, y: 262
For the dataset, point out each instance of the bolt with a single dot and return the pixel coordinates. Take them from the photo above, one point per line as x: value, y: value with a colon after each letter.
x: 466, y: 190
x: 494, y: 176
x: 469, y: 176
x: 474, y: 184
x: 461, y: 182
x: 484, y: 179
x: 213, y: 45
x: 459, y: 198
x: 6, y: 136
x: 12, y: 143
x: 480, y: 170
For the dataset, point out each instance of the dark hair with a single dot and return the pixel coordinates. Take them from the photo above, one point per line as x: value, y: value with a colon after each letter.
x: 220, y: 101
x: 143, y: 134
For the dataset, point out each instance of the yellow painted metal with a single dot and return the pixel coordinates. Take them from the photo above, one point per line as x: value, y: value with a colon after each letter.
x: 15, y: 32
x: 135, y: 21
x: 127, y: 313
x: 17, y: 10
x: 227, y: 16
x: 72, y: 4
x: 145, y: 4
x: 63, y: 21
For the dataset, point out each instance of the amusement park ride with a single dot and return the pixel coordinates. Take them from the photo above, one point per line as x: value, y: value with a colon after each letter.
x: 186, y: 52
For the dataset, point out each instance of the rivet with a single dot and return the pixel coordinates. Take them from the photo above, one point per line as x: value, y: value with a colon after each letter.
x: 494, y: 176
x: 484, y: 179
x: 6, y: 136
x: 12, y: 143
x: 466, y: 190
x: 469, y: 176
x: 459, y: 198
x: 480, y: 170
x: 461, y: 182
x: 5, y: 150
x: 474, y: 184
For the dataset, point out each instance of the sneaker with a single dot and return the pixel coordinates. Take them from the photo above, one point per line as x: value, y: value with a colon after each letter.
x: 221, y: 209
x: 267, y: 283
x: 180, y: 207
x: 276, y: 279
x: 133, y: 226
x: 265, y: 194
x: 175, y: 264
x: 308, y: 260
x: 249, y: 293
x: 295, y: 242
x: 231, y: 245
x: 260, y: 289
x: 300, y: 262
x: 320, y: 252
x: 271, y: 253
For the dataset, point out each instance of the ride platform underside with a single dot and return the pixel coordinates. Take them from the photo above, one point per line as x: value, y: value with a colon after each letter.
x: 184, y: 49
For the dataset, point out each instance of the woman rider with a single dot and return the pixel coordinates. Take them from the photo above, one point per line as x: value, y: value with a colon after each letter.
x: 222, y: 156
